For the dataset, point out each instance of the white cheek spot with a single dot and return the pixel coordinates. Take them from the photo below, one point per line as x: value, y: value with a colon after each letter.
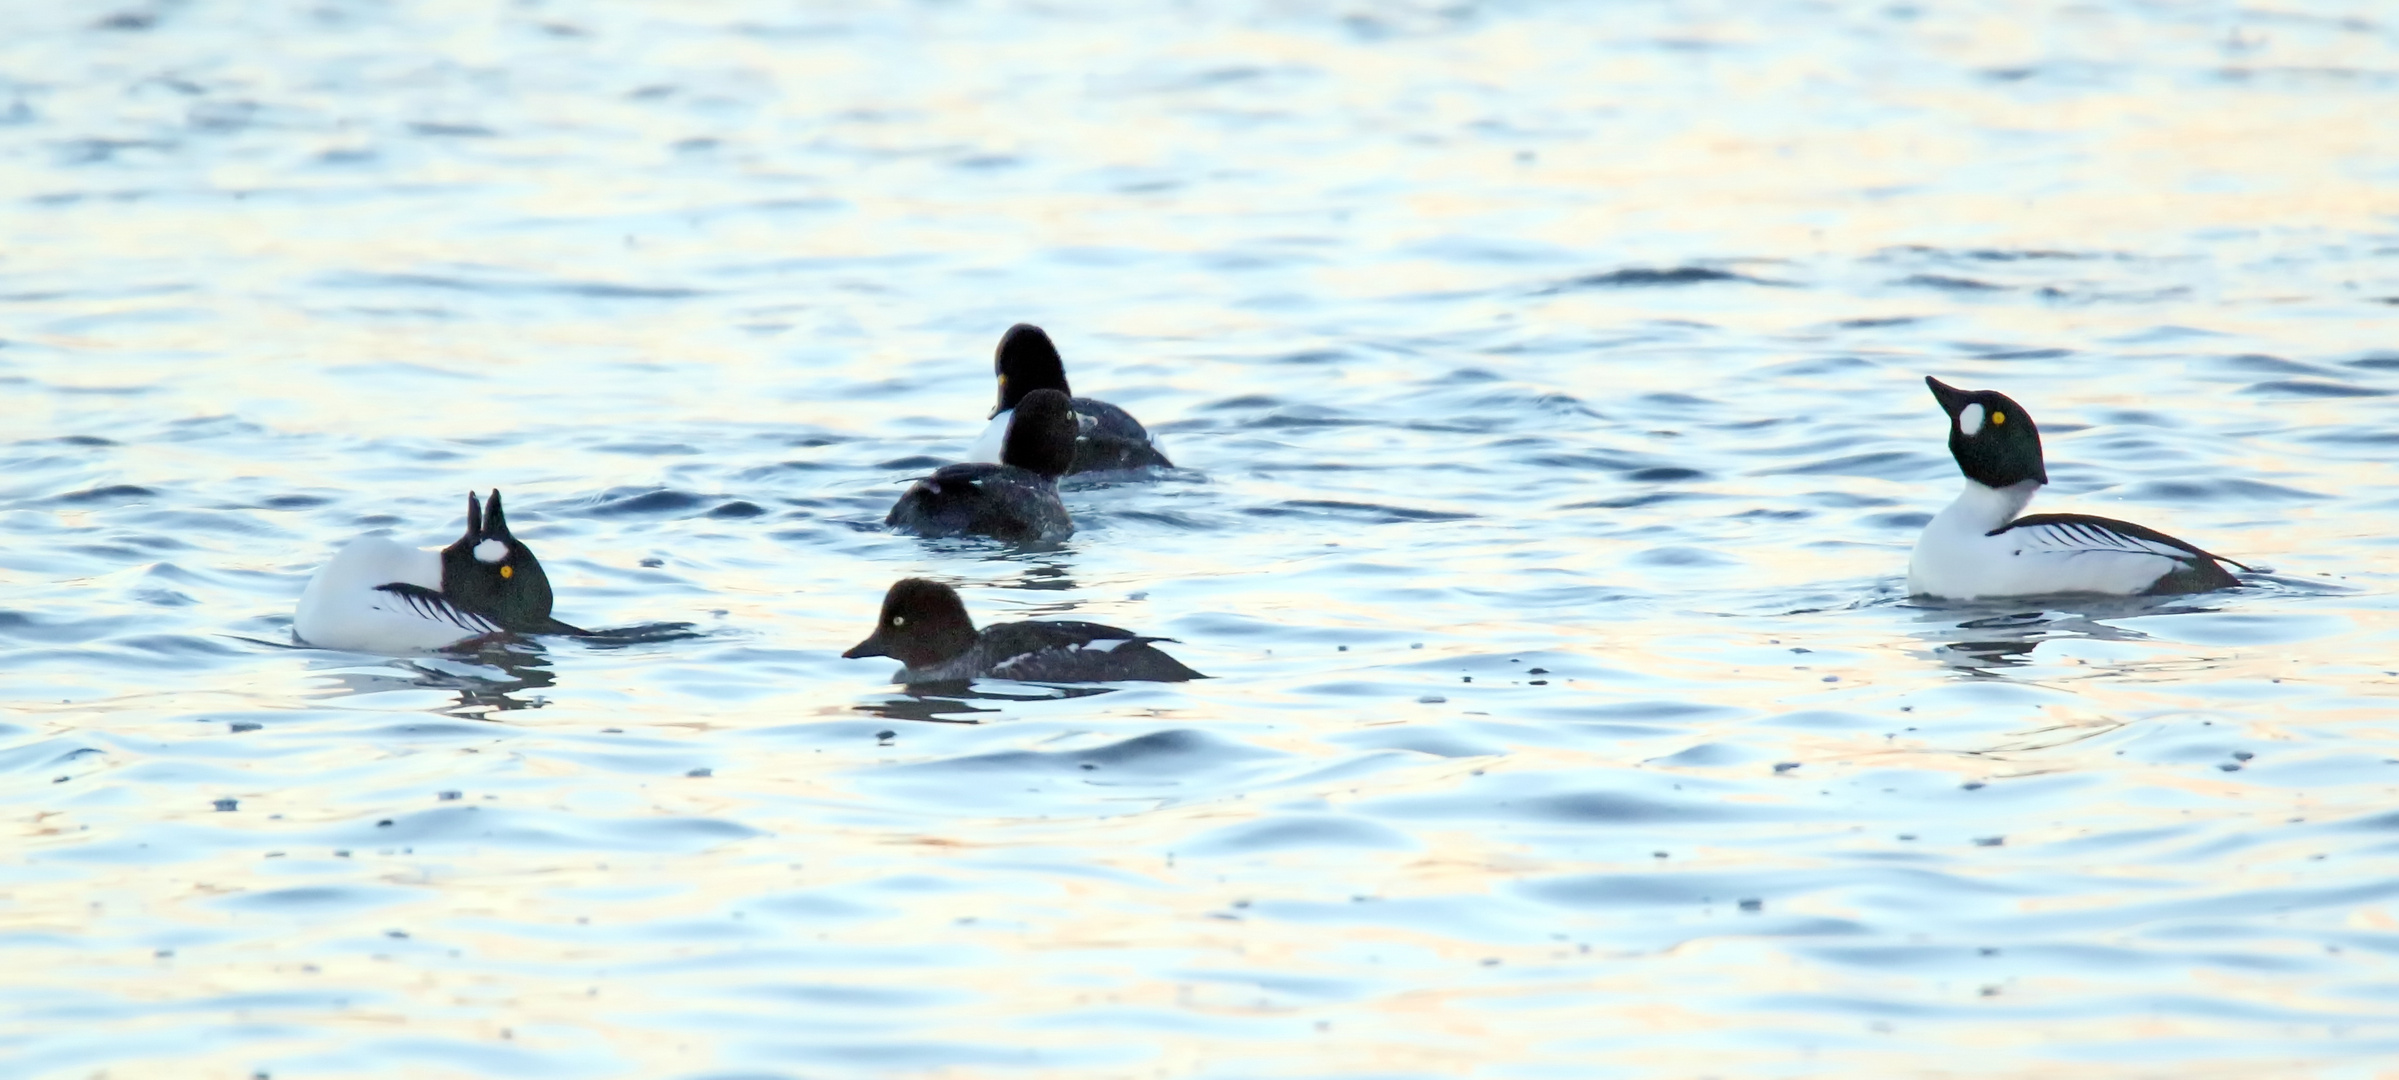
x: 1970, y: 420
x: 491, y: 551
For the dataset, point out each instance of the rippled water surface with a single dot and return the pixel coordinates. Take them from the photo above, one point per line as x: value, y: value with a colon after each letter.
x: 1548, y: 382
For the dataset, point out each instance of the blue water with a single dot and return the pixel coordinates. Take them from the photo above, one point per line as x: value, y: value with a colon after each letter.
x: 1548, y: 382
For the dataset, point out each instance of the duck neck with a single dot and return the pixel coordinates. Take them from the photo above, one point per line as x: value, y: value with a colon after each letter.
x: 1983, y: 508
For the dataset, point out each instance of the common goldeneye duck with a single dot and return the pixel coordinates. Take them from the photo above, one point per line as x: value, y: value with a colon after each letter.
x: 1016, y: 501
x: 377, y: 596
x: 1978, y: 547
x: 1108, y: 437
x: 924, y: 626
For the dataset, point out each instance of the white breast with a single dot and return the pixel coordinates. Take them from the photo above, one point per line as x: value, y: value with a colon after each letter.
x: 341, y: 609
x: 1956, y: 559
x: 995, y: 435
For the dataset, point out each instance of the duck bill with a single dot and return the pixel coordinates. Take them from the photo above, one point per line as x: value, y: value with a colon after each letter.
x: 872, y: 646
x: 1951, y: 398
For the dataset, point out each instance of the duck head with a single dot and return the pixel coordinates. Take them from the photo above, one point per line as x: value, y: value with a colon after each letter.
x: 1992, y: 437
x: 1025, y: 362
x: 923, y: 623
x: 492, y: 573
x: 1042, y: 433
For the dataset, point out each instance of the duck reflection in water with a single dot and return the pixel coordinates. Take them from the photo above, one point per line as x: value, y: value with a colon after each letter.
x: 489, y: 675
x: 2005, y: 639
x: 486, y: 680
x: 954, y: 702
x: 1046, y: 577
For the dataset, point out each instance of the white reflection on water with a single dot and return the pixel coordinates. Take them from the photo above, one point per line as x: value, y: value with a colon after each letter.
x: 1550, y: 382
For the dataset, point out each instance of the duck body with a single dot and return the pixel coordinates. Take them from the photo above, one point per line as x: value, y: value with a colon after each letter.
x: 1061, y: 651
x: 980, y: 499
x: 379, y: 596
x: 1016, y: 500
x: 346, y: 605
x: 1978, y: 547
x: 924, y: 625
x: 1107, y: 438
x: 1983, y: 545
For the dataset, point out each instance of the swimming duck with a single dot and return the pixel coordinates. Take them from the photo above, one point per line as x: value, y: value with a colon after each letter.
x: 924, y: 626
x: 1017, y: 500
x: 378, y: 596
x: 1109, y: 437
x: 1979, y: 547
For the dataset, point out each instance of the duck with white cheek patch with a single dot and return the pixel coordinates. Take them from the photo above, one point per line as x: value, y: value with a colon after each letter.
x: 378, y: 596
x: 1979, y: 547
x: 1108, y: 438
x: 924, y: 626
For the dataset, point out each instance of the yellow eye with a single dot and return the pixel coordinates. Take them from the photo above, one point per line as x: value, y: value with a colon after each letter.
x: 898, y: 621
x: 507, y: 571
x: 1999, y: 418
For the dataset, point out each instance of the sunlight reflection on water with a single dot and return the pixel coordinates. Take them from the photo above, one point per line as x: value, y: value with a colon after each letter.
x: 1549, y: 386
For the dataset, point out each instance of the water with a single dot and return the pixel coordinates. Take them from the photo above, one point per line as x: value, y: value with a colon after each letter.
x: 1549, y: 382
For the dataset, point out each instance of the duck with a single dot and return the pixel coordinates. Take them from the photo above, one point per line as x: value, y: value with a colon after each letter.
x: 925, y: 627
x: 1015, y: 500
x: 379, y: 596
x: 1984, y: 545
x: 1108, y: 438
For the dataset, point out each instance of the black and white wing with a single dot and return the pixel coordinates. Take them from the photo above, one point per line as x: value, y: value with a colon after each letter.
x: 2195, y: 570
x: 1096, y: 417
x: 432, y: 606
x: 1110, y: 440
x: 1077, y: 652
x: 1113, y: 453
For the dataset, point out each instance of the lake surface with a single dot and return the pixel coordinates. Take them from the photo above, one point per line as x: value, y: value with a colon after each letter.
x: 1548, y: 384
